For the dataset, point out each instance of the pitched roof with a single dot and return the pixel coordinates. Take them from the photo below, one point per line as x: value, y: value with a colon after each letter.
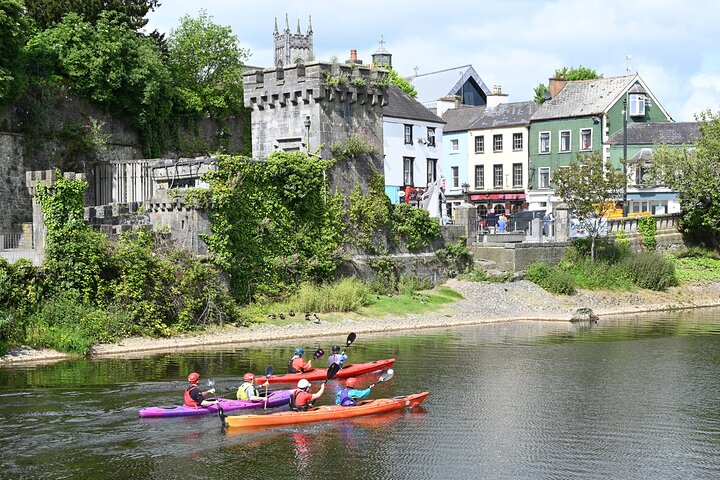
x: 506, y: 115
x: 584, y: 97
x: 402, y: 105
x: 665, y: 133
x: 434, y: 85
x: 461, y: 118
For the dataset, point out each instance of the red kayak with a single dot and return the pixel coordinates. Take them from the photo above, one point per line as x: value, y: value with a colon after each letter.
x: 329, y: 412
x: 321, y: 373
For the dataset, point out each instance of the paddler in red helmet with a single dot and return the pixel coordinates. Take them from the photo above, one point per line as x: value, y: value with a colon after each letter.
x: 194, y: 397
x: 247, y: 390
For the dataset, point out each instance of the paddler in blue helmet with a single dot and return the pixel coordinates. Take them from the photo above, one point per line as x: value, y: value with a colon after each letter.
x: 297, y: 365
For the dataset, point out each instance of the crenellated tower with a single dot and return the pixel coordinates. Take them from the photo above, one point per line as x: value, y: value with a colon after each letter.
x: 292, y: 48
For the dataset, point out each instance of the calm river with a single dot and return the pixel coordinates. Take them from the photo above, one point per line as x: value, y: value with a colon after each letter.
x: 628, y: 398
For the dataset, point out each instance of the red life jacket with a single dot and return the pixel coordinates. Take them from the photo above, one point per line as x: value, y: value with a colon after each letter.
x: 189, y: 402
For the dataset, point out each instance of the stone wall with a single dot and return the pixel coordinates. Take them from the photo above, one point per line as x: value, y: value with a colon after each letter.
x: 421, y: 265
x: 15, y: 201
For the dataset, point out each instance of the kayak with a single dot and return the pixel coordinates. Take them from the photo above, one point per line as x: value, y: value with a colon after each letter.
x: 274, y: 399
x: 321, y: 373
x: 327, y: 412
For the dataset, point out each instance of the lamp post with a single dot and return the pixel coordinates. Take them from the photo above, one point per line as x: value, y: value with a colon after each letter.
x: 465, y: 189
x: 307, y: 133
x: 625, y: 142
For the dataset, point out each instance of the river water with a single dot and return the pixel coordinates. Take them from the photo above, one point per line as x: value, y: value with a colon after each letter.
x: 633, y: 397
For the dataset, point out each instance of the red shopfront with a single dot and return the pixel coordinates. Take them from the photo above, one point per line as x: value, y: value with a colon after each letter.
x: 498, y: 202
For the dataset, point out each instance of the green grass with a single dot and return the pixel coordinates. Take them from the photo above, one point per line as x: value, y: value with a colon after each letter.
x: 419, y: 302
x: 697, y: 269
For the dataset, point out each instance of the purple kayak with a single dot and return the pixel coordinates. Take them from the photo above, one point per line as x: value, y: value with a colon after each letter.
x: 274, y: 399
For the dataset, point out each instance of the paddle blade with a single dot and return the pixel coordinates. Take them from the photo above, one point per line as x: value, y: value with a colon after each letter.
x: 332, y: 370
x: 386, y: 375
x: 318, y: 353
x: 268, y: 370
x: 350, y: 339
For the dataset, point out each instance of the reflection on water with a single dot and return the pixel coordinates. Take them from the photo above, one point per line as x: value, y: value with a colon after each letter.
x: 632, y: 397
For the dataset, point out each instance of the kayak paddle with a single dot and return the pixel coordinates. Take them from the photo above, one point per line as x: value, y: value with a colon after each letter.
x: 332, y: 371
x: 386, y: 375
x: 268, y: 372
x: 318, y: 353
x: 350, y: 339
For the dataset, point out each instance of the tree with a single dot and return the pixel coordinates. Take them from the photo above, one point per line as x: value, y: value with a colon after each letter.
x: 206, y: 63
x: 407, y: 87
x: 46, y: 13
x: 694, y: 173
x: 590, y: 188
x: 14, y: 29
x: 565, y: 73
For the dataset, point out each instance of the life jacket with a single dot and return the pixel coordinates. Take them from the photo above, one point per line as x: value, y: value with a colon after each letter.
x: 291, y: 368
x: 293, y: 404
x: 189, y: 402
x: 242, y: 393
x: 345, y: 399
x: 336, y: 358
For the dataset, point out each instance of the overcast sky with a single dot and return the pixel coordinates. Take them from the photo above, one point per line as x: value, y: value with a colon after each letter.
x: 674, y: 45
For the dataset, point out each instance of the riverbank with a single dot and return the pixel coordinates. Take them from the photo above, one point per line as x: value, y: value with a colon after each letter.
x: 482, y: 303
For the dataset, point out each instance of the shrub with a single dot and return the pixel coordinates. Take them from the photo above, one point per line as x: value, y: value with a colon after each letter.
x: 605, y: 250
x: 600, y: 275
x: 647, y: 228
x: 386, y: 276
x: 407, y: 284
x: 650, y: 270
x: 347, y: 295
x: 456, y: 257
x: 414, y: 226
x: 551, y: 279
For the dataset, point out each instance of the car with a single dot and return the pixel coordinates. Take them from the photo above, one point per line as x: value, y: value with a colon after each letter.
x: 521, y: 220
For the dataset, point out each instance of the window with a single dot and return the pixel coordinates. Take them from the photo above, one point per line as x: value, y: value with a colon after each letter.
x: 479, y: 176
x: 455, y: 177
x: 408, y: 134
x: 544, y: 175
x: 480, y: 144
x: 431, y: 137
x: 497, y: 176
x: 517, y: 175
x: 640, y: 172
x: 517, y: 141
x: 565, y: 140
x: 637, y: 105
x: 431, y: 170
x: 497, y: 143
x: 586, y: 139
x: 408, y: 170
x: 544, y: 146
x: 454, y: 146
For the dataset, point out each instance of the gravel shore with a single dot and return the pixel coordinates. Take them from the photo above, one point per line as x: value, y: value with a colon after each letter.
x: 483, y: 303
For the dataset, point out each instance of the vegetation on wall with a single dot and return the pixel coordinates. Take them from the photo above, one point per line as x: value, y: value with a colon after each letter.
x: 565, y: 73
x: 647, y: 228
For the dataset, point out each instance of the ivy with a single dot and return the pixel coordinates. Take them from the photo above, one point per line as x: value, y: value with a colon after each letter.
x: 647, y: 228
x: 456, y: 257
x: 414, y: 226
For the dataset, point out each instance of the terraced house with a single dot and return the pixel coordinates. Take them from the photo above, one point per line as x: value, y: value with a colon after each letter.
x: 579, y: 118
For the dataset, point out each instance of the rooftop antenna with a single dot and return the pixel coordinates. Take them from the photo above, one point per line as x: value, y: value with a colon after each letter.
x: 628, y: 57
x: 416, y: 70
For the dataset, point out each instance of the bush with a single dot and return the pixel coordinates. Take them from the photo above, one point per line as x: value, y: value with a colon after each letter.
x: 414, y: 226
x: 551, y: 279
x: 347, y: 295
x: 605, y: 249
x: 600, y: 275
x: 386, y: 276
x: 456, y: 257
x: 408, y: 284
x: 650, y: 270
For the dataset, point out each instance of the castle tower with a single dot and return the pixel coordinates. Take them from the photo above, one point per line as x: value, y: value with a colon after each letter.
x: 382, y: 58
x: 292, y: 48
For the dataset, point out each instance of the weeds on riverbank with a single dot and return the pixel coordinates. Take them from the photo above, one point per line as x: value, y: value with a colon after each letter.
x: 697, y: 264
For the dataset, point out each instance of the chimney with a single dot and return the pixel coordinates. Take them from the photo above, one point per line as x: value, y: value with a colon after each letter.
x: 555, y: 85
x: 353, y: 58
x: 497, y: 97
x: 446, y: 103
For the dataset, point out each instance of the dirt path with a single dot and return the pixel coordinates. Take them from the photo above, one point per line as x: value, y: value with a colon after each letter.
x: 483, y: 303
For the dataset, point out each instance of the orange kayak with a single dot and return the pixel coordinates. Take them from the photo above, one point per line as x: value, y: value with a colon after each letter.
x: 327, y: 412
x: 321, y: 373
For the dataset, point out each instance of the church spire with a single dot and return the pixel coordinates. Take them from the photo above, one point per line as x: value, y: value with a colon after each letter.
x: 309, y: 24
x: 298, y: 29
x: 287, y: 23
x: 276, y: 29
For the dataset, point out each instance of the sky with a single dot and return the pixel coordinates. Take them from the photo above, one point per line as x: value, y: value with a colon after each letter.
x: 517, y: 44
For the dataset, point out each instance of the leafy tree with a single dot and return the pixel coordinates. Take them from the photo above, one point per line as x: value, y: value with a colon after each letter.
x: 206, y: 63
x: 15, y: 28
x: 46, y: 13
x: 565, y: 73
x: 694, y: 172
x: 407, y: 87
x: 590, y: 189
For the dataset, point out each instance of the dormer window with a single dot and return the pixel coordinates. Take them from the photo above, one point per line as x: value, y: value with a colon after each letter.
x: 637, y: 105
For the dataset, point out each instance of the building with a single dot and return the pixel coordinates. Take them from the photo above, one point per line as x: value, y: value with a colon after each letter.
x: 293, y: 48
x: 643, y: 139
x: 463, y: 82
x: 413, y: 146
x: 579, y: 118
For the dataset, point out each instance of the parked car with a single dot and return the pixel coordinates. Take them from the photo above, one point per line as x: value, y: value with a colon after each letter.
x: 521, y: 220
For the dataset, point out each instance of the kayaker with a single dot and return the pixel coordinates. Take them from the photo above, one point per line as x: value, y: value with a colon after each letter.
x: 247, y: 390
x: 347, y: 396
x: 297, y: 365
x: 337, y: 357
x: 301, y: 398
x: 194, y: 397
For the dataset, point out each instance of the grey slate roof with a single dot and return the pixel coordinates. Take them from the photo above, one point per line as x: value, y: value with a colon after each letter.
x: 434, y: 85
x: 401, y: 105
x: 461, y: 118
x: 584, y: 97
x: 506, y: 115
x: 666, y: 133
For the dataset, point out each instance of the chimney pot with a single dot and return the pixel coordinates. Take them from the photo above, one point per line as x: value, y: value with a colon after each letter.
x: 353, y: 54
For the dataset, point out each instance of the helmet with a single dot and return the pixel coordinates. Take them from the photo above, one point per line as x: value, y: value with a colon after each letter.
x: 351, y: 382
x: 193, y: 377
x: 303, y: 384
x: 248, y: 377
x: 336, y: 348
x: 299, y: 351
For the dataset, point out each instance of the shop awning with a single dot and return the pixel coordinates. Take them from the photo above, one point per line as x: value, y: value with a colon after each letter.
x: 497, y: 196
